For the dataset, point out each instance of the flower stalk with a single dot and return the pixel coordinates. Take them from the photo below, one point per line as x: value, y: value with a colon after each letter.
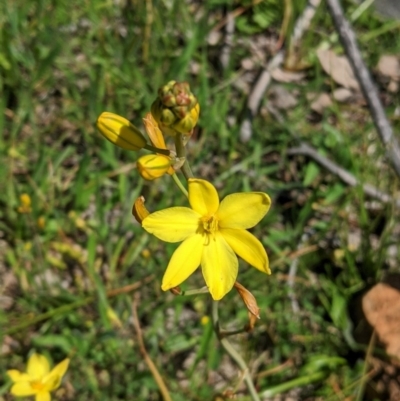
x: 181, y: 153
x: 230, y: 350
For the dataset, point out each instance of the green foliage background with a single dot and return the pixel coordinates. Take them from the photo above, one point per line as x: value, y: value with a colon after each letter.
x: 61, y: 64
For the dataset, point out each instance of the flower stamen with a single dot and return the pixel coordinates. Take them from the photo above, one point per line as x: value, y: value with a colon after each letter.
x: 210, y: 224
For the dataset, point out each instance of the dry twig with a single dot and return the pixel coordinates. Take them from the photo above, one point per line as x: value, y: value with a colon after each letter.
x: 348, y: 178
x: 262, y: 83
x: 152, y: 367
x: 371, y: 94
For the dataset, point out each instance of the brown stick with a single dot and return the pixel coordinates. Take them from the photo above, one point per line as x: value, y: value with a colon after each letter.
x: 348, y: 178
x: 152, y: 367
x: 264, y: 80
x: 382, y: 124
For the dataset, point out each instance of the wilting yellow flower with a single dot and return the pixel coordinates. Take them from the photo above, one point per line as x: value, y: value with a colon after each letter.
x: 176, y: 109
x: 119, y: 131
x: 154, y: 132
x: 25, y: 206
x: 151, y: 167
x: 212, y: 232
x: 139, y: 210
x: 38, y: 379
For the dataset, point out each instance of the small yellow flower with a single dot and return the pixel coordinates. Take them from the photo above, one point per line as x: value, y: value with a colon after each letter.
x: 41, y: 222
x: 38, y: 379
x: 212, y: 232
x: 119, y: 131
x: 25, y: 206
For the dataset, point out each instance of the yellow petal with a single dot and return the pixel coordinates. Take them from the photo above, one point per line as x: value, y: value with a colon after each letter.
x: 248, y: 247
x: 53, y: 379
x: 154, y: 133
x: 21, y: 389
x: 185, y: 260
x: 203, y: 197
x: 38, y: 366
x: 173, y: 224
x: 51, y: 382
x: 17, y: 376
x: 243, y: 210
x: 43, y: 396
x: 219, y: 265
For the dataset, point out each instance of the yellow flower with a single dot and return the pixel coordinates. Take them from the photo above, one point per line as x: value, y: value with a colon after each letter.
x: 26, y: 203
x: 119, y: 131
x: 38, y: 379
x: 212, y: 232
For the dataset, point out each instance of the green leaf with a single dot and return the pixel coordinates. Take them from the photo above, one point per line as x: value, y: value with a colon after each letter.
x: 312, y: 172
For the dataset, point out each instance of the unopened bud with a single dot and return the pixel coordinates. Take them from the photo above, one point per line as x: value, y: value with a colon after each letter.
x: 176, y: 109
x: 119, y: 131
x: 152, y: 166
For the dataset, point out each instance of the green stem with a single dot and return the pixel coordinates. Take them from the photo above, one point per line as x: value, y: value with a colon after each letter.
x: 181, y: 152
x: 180, y: 185
x: 295, y: 383
x: 165, y: 152
x: 203, y: 290
x: 233, y: 353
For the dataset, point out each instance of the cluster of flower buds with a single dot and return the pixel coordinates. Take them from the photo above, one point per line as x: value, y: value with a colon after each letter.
x: 175, y: 111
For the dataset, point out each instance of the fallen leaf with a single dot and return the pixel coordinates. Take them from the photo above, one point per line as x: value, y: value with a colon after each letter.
x: 321, y: 103
x: 389, y: 66
x: 342, y: 95
x: 280, y: 75
x: 338, y: 68
x: 381, y: 306
x: 281, y: 98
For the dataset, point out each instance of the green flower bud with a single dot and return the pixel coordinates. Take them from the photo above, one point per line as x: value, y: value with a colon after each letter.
x: 119, y: 131
x: 176, y: 109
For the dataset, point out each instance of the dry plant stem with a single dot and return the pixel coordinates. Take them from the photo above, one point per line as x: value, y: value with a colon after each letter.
x: 147, y: 30
x: 181, y: 152
x: 292, y: 276
x: 348, y: 39
x: 228, y: 42
x: 233, y: 353
x: 368, y: 356
x: 262, y: 83
x: 290, y: 283
x: 152, y: 367
x: 234, y: 14
x: 348, y: 178
x: 287, y: 17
